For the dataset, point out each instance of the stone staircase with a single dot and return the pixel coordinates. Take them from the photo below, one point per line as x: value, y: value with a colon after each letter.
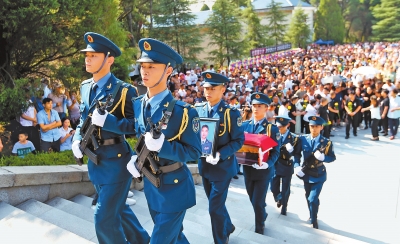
x: 71, y: 221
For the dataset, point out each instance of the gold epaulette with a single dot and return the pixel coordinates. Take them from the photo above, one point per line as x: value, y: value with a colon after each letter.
x: 121, y: 101
x: 227, y: 117
x: 184, y: 124
x: 327, y: 147
x: 295, y: 140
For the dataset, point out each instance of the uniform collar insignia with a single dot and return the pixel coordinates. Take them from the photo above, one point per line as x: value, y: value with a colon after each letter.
x: 166, y: 105
x: 220, y: 109
x: 109, y: 86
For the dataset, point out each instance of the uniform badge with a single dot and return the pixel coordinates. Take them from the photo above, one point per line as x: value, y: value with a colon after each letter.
x: 196, y: 124
x: 257, y: 96
x: 278, y: 136
x: 281, y: 119
x: 314, y: 118
x: 208, y: 76
x: 147, y: 46
x: 90, y: 38
x: 239, y: 121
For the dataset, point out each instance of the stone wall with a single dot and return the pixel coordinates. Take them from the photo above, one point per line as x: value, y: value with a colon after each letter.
x: 42, y: 183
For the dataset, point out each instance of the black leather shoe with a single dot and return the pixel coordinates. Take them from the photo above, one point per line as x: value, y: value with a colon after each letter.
x: 283, y: 211
x: 385, y: 134
x: 278, y: 204
x: 235, y: 177
x: 240, y: 173
x: 347, y: 137
x: 355, y: 134
x: 315, y: 224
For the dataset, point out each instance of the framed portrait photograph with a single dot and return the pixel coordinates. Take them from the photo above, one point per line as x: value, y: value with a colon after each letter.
x: 208, y: 134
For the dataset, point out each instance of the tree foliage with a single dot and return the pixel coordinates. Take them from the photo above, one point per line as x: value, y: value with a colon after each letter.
x: 174, y: 25
x: 329, y: 23
x: 224, y: 30
x: 299, y: 32
x: 256, y: 35
x: 205, y: 8
x: 387, y: 26
x: 276, y: 18
x: 43, y: 37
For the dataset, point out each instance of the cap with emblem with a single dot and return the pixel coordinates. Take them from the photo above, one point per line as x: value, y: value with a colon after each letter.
x: 260, y: 98
x: 281, y: 120
x: 100, y: 44
x: 315, y: 120
x: 214, y: 79
x: 154, y: 51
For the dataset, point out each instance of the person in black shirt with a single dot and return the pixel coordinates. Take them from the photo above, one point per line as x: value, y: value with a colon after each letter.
x: 293, y: 112
x: 367, y: 114
x: 353, y: 107
x: 384, y: 105
x: 323, y: 113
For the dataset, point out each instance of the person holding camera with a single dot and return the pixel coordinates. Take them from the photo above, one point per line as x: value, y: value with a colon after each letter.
x: 67, y: 134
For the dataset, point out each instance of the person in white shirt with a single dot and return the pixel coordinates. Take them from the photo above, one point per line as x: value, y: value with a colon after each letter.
x: 28, y: 118
x: 255, y: 73
x: 375, y: 117
x: 67, y: 133
x: 388, y: 85
x: 182, y: 91
x: 283, y: 110
x: 310, y: 111
x: 393, y: 113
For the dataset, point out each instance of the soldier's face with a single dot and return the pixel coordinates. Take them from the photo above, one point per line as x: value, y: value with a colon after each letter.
x: 93, y: 61
x: 259, y: 110
x: 283, y: 129
x: 152, y: 72
x: 204, y: 133
x: 214, y: 94
x: 315, y: 130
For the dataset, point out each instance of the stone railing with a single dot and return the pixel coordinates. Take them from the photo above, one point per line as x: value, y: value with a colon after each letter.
x: 42, y: 183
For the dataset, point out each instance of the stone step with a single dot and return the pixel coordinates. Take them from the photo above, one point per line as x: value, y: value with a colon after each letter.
x: 73, y: 208
x: 18, y: 226
x: 60, y: 218
x: 82, y: 200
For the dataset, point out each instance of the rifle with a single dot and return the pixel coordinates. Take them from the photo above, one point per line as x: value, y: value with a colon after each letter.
x: 146, y: 162
x: 89, y: 132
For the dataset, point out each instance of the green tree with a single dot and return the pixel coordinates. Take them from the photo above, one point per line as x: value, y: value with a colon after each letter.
x: 256, y: 35
x: 43, y: 37
x: 299, y: 32
x: 276, y: 17
x: 205, y: 8
x: 224, y: 31
x: 174, y: 25
x: 387, y: 26
x: 329, y: 23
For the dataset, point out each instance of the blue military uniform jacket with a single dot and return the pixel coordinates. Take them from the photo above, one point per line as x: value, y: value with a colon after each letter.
x: 284, y: 165
x: 176, y: 192
x: 324, y: 145
x: 113, y: 158
x: 229, y: 140
x: 206, y: 147
x: 262, y: 174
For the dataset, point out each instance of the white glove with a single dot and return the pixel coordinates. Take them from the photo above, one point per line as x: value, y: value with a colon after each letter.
x: 210, y: 159
x: 132, y: 168
x: 289, y: 147
x: 261, y: 154
x: 320, y: 156
x: 299, y: 172
x: 263, y: 166
x: 153, y: 144
x: 98, y: 119
x: 76, y: 150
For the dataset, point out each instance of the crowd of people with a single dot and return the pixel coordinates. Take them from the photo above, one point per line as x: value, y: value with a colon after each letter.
x: 321, y: 80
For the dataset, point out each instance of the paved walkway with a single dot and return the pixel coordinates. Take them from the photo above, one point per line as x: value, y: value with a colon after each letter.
x: 361, y: 197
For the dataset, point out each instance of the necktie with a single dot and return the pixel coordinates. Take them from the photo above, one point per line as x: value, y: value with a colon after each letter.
x: 312, y: 143
x: 147, y: 111
x: 256, y: 127
x: 281, y: 139
x: 93, y: 92
x: 211, y: 113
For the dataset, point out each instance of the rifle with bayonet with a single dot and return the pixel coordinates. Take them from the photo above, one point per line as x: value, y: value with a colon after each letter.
x: 89, y: 132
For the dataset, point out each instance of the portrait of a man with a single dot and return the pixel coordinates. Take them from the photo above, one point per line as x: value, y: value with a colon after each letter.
x: 206, y: 145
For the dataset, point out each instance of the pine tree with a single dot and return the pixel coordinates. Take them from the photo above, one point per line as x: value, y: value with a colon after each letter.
x: 299, y: 32
x: 387, y: 27
x: 329, y: 23
x: 276, y: 18
x: 174, y: 25
x: 256, y: 35
x: 224, y: 30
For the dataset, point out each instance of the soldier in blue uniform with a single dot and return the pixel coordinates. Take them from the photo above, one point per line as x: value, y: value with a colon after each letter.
x: 114, y: 220
x: 218, y: 169
x: 206, y: 145
x: 316, y: 150
x: 284, y: 165
x: 179, y: 142
x: 256, y: 177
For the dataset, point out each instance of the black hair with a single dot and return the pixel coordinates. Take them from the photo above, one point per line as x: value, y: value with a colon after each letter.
x: 46, y: 100
x: 205, y: 126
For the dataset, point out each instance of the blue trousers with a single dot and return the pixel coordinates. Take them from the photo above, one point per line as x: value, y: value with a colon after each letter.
x: 221, y: 223
x: 168, y: 228
x: 393, y: 126
x: 312, y: 195
x: 281, y: 195
x: 114, y: 220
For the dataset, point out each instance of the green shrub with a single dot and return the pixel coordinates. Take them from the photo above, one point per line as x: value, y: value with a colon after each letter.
x: 60, y: 158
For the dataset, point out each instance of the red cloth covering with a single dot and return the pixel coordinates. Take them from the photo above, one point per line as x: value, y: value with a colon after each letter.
x: 252, y: 143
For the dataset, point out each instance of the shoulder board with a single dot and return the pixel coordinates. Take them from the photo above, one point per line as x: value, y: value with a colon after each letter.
x: 86, y: 82
x: 200, y: 104
x: 136, y: 98
x: 183, y: 104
